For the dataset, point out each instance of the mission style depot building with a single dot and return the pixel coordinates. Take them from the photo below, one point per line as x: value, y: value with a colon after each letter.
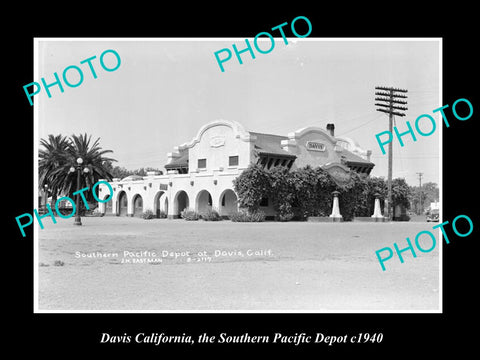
x: 200, y: 173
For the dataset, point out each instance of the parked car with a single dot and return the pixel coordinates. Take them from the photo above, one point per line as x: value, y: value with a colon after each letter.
x: 433, y: 215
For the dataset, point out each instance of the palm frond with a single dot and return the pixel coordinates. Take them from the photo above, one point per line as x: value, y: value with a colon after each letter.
x: 58, y: 154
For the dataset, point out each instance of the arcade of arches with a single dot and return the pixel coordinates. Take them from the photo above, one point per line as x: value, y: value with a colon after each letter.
x: 133, y: 205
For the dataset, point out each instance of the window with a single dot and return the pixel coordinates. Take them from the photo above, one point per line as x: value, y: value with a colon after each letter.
x: 202, y: 163
x: 233, y: 160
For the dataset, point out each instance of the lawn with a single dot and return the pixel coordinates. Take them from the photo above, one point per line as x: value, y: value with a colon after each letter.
x: 270, y: 266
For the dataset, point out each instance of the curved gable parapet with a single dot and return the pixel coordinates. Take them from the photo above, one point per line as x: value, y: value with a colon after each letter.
x: 354, y: 147
x: 311, y: 129
x: 352, y: 143
x: 238, y: 132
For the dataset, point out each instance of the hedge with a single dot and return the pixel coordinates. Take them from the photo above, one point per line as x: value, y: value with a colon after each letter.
x: 307, y: 191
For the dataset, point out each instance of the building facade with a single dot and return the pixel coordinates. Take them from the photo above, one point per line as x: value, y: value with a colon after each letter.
x: 200, y: 173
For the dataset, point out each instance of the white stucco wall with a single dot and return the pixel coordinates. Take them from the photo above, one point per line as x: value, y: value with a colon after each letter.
x: 216, y: 145
x: 150, y: 189
x: 297, y: 145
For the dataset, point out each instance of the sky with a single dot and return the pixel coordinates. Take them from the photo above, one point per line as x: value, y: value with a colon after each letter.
x: 166, y: 89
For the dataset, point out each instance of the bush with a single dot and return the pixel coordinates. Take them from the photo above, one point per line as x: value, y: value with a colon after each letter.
x: 189, y: 215
x: 211, y: 215
x: 285, y: 217
x: 308, y: 191
x: 285, y: 212
x: 147, y: 215
x: 245, y: 216
x: 252, y: 185
x: 94, y: 213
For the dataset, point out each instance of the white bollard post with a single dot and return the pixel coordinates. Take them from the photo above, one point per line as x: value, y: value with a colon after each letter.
x: 335, y: 215
x: 377, y: 212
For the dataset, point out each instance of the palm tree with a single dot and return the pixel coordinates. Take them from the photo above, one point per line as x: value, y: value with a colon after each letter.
x: 57, y: 174
x: 50, y: 158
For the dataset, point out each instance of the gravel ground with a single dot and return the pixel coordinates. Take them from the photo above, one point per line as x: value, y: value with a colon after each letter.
x: 294, y: 266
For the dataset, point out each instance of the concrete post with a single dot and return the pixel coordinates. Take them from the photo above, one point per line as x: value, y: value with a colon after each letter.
x: 335, y: 215
x: 377, y: 213
x: 130, y: 204
x: 102, y: 207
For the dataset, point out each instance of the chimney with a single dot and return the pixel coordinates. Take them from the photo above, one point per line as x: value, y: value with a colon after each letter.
x: 331, y: 128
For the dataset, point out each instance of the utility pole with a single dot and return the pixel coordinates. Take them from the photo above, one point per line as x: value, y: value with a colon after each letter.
x: 389, y: 97
x: 421, y: 194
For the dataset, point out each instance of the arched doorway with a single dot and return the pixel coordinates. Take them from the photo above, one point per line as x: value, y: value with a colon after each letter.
x: 122, y: 204
x: 159, y: 203
x: 181, y: 202
x: 228, y: 203
x: 204, y: 201
x: 137, y: 205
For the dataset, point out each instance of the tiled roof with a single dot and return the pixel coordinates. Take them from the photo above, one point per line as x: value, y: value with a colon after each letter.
x: 182, y: 161
x: 350, y: 157
x: 269, y: 144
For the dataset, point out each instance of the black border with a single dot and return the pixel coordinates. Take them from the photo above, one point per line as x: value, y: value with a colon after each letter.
x: 409, y: 334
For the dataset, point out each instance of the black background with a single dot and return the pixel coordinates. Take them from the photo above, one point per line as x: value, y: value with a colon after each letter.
x: 64, y: 335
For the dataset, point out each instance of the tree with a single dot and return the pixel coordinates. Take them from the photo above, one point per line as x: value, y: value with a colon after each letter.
x: 350, y: 195
x: 121, y: 172
x: 313, y: 191
x: 252, y: 185
x: 282, y: 192
x: 308, y: 192
x: 143, y: 171
x: 117, y: 171
x: 50, y: 158
x: 422, y: 197
x: 55, y: 163
x: 302, y: 192
x: 366, y: 200
x: 400, y: 193
x: 432, y: 192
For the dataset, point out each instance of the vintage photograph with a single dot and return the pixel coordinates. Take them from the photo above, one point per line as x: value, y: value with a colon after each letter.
x: 280, y: 175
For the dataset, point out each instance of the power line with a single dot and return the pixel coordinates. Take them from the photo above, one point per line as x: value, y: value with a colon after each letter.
x: 421, y: 193
x: 386, y: 98
x: 361, y: 125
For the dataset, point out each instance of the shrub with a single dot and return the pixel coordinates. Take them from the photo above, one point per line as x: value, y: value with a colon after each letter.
x: 283, y: 192
x: 285, y: 212
x: 211, y: 215
x: 93, y: 213
x: 189, y: 215
x: 148, y: 214
x: 257, y: 216
x: 252, y: 185
x: 308, y: 191
x: 245, y: 216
